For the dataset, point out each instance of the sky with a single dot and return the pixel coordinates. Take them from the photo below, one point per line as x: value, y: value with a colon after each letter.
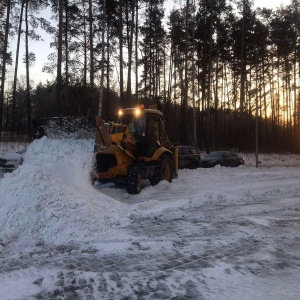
x: 42, y: 49
x: 257, y: 3
x: 270, y: 3
x: 220, y: 233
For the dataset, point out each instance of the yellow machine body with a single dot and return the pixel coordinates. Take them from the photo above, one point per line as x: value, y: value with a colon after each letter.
x: 135, y: 142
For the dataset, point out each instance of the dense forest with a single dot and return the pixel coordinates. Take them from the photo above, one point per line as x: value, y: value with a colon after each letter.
x: 225, y: 74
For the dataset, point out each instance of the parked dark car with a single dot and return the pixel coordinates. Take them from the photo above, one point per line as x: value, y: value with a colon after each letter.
x: 188, y: 157
x: 222, y: 158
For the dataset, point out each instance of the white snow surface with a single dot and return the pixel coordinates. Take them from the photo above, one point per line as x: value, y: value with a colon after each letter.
x: 49, y: 200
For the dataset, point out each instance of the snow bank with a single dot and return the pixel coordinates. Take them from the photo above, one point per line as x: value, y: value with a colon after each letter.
x: 49, y: 199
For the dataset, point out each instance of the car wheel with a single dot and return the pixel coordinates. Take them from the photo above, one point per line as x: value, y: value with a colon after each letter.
x: 195, y: 165
x: 163, y: 170
x: 134, y: 181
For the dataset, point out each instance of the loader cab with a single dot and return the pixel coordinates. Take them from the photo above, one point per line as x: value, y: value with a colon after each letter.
x: 136, y: 124
x: 146, y: 126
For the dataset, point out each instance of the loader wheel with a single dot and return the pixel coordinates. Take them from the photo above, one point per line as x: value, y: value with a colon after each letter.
x: 134, y: 181
x: 163, y: 170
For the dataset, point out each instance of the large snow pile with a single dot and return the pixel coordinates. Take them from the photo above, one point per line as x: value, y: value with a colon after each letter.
x: 49, y: 199
x: 218, y: 233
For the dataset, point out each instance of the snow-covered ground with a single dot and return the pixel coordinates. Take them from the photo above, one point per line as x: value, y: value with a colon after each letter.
x: 221, y: 233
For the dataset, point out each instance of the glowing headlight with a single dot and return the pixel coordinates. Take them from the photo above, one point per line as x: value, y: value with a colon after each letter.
x: 137, y: 112
x: 120, y: 112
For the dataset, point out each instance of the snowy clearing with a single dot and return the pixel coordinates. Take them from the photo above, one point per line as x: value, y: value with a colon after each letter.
x: 221, y: 233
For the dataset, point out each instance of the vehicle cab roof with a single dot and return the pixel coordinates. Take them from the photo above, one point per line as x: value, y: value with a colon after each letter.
x: 143, y: 110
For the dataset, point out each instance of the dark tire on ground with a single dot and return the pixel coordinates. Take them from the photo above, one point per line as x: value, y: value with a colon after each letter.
x: 134, y: 181
x: 163, y: 170
x: 194, y: 165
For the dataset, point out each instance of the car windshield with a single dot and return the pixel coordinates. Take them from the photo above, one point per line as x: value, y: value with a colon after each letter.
x: 21, y: 151
x: 215, y: 155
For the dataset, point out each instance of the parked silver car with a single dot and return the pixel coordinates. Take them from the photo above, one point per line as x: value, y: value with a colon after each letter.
x: 12, y: 160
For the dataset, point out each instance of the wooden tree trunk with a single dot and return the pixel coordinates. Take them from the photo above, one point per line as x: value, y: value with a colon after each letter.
x: 85, y: 56
x: 295, y: 121
x: 265, y: 99
x: 28, y: 99
x: 91, y: 35
x: 184, y: 136
x: 136, y: 50
x: 4, y: 55
x: 66, y: 52
x: 107, y: 66
x: 130, y: 45
x: 102, y: 59
x: 59, y: 59
x: 13, y: 113
x: 209, y: 143
x: 121, y: 52
x: 242, y: 89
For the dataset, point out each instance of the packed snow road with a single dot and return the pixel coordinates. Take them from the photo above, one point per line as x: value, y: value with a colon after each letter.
x: 218, y: 233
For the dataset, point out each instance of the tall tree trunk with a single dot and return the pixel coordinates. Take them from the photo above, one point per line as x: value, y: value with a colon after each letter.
x: 209, y: 80
x: 216, y: 103
x: 14, y: 100
x: 242, y: 91
x: 150, y: 59
x: 295, y: 120
x: 203, y: 86
x: 298, y: 99
x: 107, y: 66
x: 265, y: 99
x: 102, y: 59
x: 91, y: 34
x: 193, y: 81
x: 289, y: 104
x: 165, y: 82
x: 121, y: 52
x: 184, y: 134
x: 130, y: 44
x: 4, y: 57
x: 66, y: 52
x: 157, y: 71
x: 278, y: 94
x: 85, y: 55
x: 170, y: 77
x: 59, y: 60
x: 136, y: 50
x: 28, y: 99
x: 273, y: 100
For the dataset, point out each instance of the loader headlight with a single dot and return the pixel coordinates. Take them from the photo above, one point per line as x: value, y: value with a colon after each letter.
x: 120, y: 112
x: 137, y: 112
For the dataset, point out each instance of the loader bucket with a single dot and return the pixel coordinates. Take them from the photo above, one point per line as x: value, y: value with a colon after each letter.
x: 103, y: 137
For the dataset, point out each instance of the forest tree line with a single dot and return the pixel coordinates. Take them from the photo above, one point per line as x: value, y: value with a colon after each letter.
x: 218, y: 69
